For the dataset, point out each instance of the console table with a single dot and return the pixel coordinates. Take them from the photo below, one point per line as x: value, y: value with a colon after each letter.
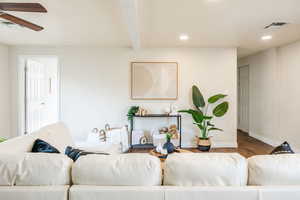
x: 151, y: 146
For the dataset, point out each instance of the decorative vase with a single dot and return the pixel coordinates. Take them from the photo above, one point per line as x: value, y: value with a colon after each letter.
x: 169, y: 146
x: 204, y: 144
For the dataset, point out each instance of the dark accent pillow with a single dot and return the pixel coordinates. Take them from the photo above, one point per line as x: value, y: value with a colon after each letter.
x: 74, y: 154
x: 284, y: 148
x: 44, y: 147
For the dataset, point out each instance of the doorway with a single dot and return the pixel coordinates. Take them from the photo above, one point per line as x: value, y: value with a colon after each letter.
x: 243, y: 98
x: 40, y: 93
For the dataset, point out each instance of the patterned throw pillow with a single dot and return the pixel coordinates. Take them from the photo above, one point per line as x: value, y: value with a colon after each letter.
x: 284, y: 148
x: 40, y: 146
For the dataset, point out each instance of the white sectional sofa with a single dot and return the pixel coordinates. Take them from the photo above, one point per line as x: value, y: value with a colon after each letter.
x: 190, y: 176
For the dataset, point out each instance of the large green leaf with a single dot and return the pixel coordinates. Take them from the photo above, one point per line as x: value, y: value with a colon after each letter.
x: 196, y: 114
x: 216, y: 98
x: 199, y: 125
x: 207, y: 117
x: 221, y: 109
x: 210, y: 124
x: 198, y: 99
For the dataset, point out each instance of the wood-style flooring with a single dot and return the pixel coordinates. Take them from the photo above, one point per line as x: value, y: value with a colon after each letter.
x: 247, y: 146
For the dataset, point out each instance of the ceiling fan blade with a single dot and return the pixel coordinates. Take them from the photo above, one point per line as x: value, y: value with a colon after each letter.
x: 21, y: 22
x: 22, y: 7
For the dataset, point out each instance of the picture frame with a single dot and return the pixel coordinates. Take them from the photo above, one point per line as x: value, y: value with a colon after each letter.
x: 154, y: 80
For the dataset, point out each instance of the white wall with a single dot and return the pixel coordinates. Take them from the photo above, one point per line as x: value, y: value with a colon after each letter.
x: 95, y: 85
x: 5, y: 93
x: 274, y: 94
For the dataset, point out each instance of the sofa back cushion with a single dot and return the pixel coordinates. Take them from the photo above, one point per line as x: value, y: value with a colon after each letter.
x: 274, y: 170
x: 56, y: 135
x: 34, y: 169
x: 117, y: 170
x: 205, y: 169
x: 19, y: 144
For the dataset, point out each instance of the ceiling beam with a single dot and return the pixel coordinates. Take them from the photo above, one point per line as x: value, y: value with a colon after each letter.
x: 130, y: 16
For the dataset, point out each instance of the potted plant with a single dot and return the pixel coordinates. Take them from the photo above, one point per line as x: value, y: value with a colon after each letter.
x: 132, y: 111
x: 169, y: 145
x: 203, y: 119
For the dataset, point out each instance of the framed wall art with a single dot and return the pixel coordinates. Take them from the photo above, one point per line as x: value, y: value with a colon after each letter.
x: 154, y: 80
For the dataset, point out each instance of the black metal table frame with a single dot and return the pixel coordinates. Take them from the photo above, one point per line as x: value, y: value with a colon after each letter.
x: 150, y: 146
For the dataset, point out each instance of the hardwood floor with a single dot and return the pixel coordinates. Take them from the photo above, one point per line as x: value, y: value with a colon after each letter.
x: 247, y: 146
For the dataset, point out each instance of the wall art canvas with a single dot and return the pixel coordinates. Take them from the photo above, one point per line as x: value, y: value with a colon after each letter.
x: 154, y: 80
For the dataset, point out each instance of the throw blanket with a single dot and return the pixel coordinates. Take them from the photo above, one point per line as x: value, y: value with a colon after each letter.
x: 74, y: 154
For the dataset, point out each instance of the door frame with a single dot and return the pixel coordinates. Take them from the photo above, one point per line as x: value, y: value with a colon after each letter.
x: 239, y: 67
x: 21, y: 88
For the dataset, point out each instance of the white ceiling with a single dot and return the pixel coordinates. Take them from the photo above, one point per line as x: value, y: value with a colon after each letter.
x: 158, y: 23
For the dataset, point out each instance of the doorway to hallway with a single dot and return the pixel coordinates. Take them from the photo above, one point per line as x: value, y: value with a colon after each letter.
x: 40, y: 93
x: 243, y: 98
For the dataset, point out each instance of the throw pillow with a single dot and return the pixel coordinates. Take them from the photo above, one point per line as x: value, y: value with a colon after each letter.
x: 74, y: 154
x: 43, y: 147
x: 284, y: 148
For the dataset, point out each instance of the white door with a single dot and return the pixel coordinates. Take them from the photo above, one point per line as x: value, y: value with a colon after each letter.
x: 41, y: 94
x: 243, y: 98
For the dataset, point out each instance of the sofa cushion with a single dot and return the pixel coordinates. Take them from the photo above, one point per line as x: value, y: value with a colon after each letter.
x: 34, y: 169
x: 56, y: 134
x: 34, y: 193
x: 205, y: 169
x: 84, y: 192
x: 44, y: 169
x: 279, y: 192
x: 9, y: 165
x: 274, y: 169
x: 117, y: 170
x: 211, y: 193
x: 19, y: 144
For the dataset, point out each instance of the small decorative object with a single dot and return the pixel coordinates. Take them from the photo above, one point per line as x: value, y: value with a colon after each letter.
x: 169, y: 145
x: 132, y: 111
x: 137, y: 135
x: 154, y: 80
x: 102, y: 135
x: 95, y: 130
x: 167, y: 110
x: 107, y: 127
x: 144, y: 140
x: 284, y: 148
x: 173, y: 131
x: 174, y: 109
x: 204, y: 120
x: 144, y: 112
x: 163, y: 130
x: 159, y: 148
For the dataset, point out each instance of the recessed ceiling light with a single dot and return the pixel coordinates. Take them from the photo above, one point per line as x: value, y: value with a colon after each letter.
x: 184, y: 37
x: 266, y: 37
